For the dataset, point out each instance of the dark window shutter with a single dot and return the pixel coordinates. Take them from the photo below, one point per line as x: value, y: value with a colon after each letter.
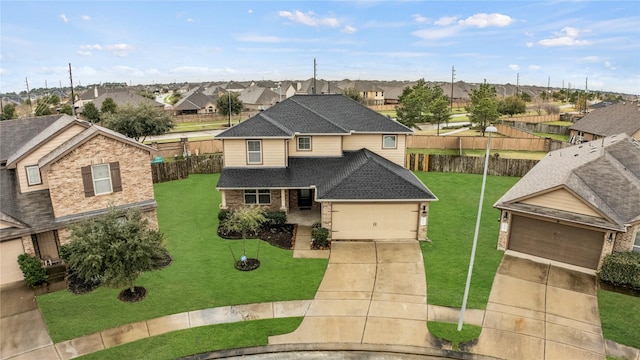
x: 87, y: 181
x: 116, y: 182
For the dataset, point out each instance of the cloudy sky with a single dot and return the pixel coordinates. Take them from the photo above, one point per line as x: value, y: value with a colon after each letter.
x: 145, y: 42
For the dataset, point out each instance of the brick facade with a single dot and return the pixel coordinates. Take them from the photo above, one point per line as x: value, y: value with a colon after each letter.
x: 424, y: 221
x: 624, y: 240
x: 235, y: 199
x: 325, y: 215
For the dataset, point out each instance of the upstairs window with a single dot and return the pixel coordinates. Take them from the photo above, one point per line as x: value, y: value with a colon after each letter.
x: 389, y: 141
x: 33, y: 175
x: 304, y: 143
x: 101, y: 179
x: 254, y: 152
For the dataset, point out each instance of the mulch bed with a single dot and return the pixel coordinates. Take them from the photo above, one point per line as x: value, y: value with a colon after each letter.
x: 79, y: 286
x: 138, y: 294
x: 247, y: 265
x: 280, y: 236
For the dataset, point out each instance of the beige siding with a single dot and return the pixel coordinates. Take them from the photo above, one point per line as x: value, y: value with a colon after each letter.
x: 562, y: 199
x: 5, y: 225
x: 273, y: 153
x: 374, y: 221
x: 373, y: 142
x: 330, y: 145
x: 36, y: 155
x: 65, y: 179
x: 9, y: 269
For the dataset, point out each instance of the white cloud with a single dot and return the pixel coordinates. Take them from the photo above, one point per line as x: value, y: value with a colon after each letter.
x: 485, y: 20
x: 535, y: 67
x: 348, y: 29
x: 566, y: 37
x: 439, y: 33
x: 529, y: 34
x: 86, y: 17
x: 64, y: 18
x: 258, y: 38
x: 84, y: 53
x: 591, y: 59
x: 529, y: 44
x: 514, y: 67
x: 309, y: 18
x: 420, y: 19
x: 189, y: 20
x: 446, y: 20
x: 121, y: 50
x: 3, y: 71
x: 250, y: 11
x: 91, y: 47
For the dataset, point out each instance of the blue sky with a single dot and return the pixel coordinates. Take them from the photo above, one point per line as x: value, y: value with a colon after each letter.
x: 145, y: 42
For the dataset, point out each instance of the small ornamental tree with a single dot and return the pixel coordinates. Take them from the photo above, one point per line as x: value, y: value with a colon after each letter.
x: 223, y: 107
x: 91, y: 112
x: 8, y: 112
x: 108, y: 106
x: 245, y: 220
x: 114, y: 249
x: 138, y: 122
x: 354, y: 94
x: 483, y: 106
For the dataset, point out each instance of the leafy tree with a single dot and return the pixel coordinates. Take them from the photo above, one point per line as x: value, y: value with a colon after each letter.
x: 42, y: 108
x: 423, y: 103
x: 354, y: 94
x: 54, y: 99
x: 552, y: 109
x: 66, y: 109
x: 483, y: 107
x: 108, y: 106
x: 544, y: 96
x: 245, y: 220
x: 174, y: 98
x: 8, y: 112
x: 525, y: 97
x: 90, y: 112
x: 114, y: 248
x: 512, y: 105
x: 138, y: 122
x: 222, y: 104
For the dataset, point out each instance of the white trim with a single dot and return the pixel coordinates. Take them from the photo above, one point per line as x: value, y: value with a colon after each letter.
x: 94, y: 179
x: 250, y: 152
x: 29, y: 179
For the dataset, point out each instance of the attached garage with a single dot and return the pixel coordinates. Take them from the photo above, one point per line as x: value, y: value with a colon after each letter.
x: 9, y: 270
x: 550, y: 240
x: 374, y: 221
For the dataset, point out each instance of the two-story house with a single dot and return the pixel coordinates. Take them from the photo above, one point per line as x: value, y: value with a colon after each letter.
x: 57, y: 170
x: 331, y: 155
x: 606, y: 121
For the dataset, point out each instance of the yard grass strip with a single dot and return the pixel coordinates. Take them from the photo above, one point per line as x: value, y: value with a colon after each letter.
x: 198, y: 340
x: 620, y: 316
x: 449, y: 332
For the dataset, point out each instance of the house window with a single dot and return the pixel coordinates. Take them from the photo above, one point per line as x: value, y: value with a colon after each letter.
x: 101, y: 179
x: 259, y: 197
x: 304, y: 143
x: 254, y: 151
x: 389, y: 141
x: 33, y: 175
x: 636, y: 243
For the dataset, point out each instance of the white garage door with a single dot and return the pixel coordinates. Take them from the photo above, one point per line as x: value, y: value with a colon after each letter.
x: 374, y: 221
x: 9, y: 269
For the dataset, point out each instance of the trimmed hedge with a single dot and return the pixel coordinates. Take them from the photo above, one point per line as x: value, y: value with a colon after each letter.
x: 621, y: 269
x: 319, y: 237
x: 276, y: 217
x: 34, y: 273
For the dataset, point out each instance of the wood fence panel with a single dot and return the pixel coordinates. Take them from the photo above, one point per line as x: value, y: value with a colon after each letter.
x: 536, y: 118
x: 469, y: 164
x: 169, y: 171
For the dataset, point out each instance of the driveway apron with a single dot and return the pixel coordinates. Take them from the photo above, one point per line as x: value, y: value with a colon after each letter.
x: 371, y: 293
x: 541, y: 311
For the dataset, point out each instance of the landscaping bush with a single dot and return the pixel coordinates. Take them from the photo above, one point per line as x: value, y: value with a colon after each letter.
x: 275, y: 217
x: 34, y: 273
x: 319, y: 237
x: 621, y: 269
x: 223, y: 215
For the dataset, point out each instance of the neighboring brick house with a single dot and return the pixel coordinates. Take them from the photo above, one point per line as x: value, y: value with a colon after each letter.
x: 607, y: 120
x: 58, y: 170
x: 330, y: 155
x: 577, y: 204
x: 196, y: 101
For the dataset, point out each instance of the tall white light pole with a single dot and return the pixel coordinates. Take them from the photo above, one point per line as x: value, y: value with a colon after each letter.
x: 490, y: 129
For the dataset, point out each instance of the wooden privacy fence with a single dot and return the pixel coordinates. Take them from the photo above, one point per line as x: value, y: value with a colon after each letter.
x: 535, y: 118
x: 538, y: 127
x: 194, y: 147
x: 180, y: 169
x: 469, y: 164
x: 476, y: 143
x: 513, y: 132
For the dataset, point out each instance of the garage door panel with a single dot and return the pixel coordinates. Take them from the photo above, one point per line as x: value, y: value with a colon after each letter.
x: 374, y: 221
x: 572, y: 245
x: 9, y: 269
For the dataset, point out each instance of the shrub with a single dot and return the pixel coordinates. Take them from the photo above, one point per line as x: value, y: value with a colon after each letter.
x: 621, y: 269
x: 320, y: 236
x: 223, y: 215
x: 65, y: 252
x: 34, y: 273
x: 276, y: 217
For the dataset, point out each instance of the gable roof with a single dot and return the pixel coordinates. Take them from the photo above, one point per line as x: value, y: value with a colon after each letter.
x: 124, y: 97
x: 15, y: 133
x: 611, y: 120
x: 195, y: 99
x: 255, y: 95
x: 604, y: 174
x: 357, y: 176
x: 315, y: 114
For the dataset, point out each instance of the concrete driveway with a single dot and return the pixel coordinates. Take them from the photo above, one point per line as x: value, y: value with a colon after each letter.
x: 371, y: 293
x: 541, y: 311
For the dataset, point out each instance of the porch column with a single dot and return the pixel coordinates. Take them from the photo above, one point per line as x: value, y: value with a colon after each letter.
x: 283, y: 200
x: 223, y: 204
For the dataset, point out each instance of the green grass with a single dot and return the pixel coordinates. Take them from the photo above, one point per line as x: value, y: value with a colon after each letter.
x: 559, y: 123
x: 198, y: 340
x: 564, y: 138
x: 449, y: 332
x: 451, y: 227
x: 185, y: 127
x: 201, y: 275
x: 620, y: 316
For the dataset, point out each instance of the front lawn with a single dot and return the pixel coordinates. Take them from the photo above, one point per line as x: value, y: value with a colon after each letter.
x: 451, y: 227
x: 201, y: 276
x: 620, y: 316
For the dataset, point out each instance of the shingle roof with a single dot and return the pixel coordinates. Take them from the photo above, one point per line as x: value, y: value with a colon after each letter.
x: 316, y: 114
x: 255, y: 95
x: 605, y: 174
x: 611, y: 120
x: 195, y: 99
x: 124, y: 97
x: 358, y: 175
x: 15, y: 133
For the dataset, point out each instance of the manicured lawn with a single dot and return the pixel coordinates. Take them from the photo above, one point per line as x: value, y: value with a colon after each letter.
x: 201, y: 275
x: 559, y: 123
x: 451, y: 226
x: 620, y: 316
x: 198, y: 340
x: 449, y: 331
x: 182, y: 127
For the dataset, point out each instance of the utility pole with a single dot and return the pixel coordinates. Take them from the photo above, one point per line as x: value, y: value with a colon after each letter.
x: 229, y: 94
x: 453, y: 76
x: 586, y: 90
x: 314, y: 75
x: 517, y: 83
x: 28, y: 95
x: 549, y: 86
x: 73, y: 98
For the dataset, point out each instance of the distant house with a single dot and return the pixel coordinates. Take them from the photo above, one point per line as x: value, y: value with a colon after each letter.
x: 195, y: 102
x: 90, y: 95
x: 321, y: 87
x: 329, y: 156
x: 371, y: 93
x: 577, y: 204
x: 258, y: 98
x: 233, y: 86
x: 57, y: 170
x: 124, y: 97
x: 606, y: 121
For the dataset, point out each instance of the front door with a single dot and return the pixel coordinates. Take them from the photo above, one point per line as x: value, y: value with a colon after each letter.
x: 304, y: 199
